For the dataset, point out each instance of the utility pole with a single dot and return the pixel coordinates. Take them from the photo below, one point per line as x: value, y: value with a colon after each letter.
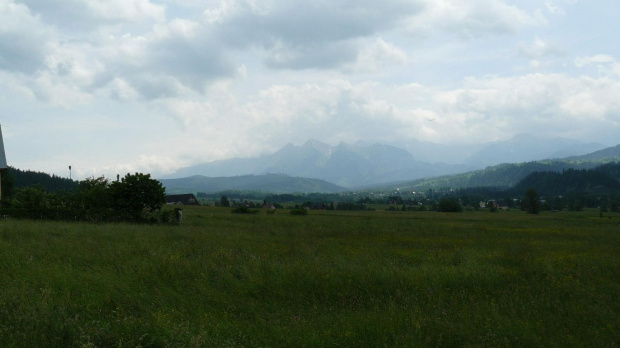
x: 69, y: 172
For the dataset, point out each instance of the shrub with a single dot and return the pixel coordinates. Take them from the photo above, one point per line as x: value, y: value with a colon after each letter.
x: 136, y: 198
x: 531, y: 202
x: 299, y: 211
x: 135, y: 195
x: 449, y: 205
x: 244, y: 210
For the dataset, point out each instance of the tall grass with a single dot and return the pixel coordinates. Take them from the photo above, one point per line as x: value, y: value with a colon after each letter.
x: 326, y: 279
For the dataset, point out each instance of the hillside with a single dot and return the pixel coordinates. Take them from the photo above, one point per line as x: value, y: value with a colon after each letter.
x: 600, y: 180
x: 500, y: 176
x: 527, y: 148
x: 610, y: 154
x: 509, y: 174
x: 273, y: 183
x: 18, y: 178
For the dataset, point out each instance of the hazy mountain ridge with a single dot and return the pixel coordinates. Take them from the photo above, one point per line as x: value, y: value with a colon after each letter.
x: 365, y: 164
x: 605, y: 155
x: 344, y: 164
x: 272, y: 183
x: 510, y: 174
x: 526, y: 148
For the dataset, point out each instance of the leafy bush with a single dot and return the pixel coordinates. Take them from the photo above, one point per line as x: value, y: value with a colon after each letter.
x: 531, y: 202
x: 136, y: 198
x: 449, y: 205
x: 299, y: 211
x: 244, y: 210
x: 351, y: 206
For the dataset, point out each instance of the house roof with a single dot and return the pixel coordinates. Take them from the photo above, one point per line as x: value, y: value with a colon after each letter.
x: 186, y: 199
x: 3, y: 164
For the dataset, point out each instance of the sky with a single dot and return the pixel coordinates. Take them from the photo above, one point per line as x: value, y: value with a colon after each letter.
x: 119, y: 86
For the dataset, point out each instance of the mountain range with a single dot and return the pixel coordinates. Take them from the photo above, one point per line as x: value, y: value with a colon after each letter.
x: 363, y: 164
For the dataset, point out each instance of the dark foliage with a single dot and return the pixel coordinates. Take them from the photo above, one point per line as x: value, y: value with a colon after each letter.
x: 299, y: 211
x: 309, y: 197
x: 571, y: 181
x: 242, y: 209
x: 351, y: 206
x: 224, y: 202
x: 136, y: 198
x: 28, y: 178
x: 449, y: 205
x: 136, y: 195
x: 531, y: 202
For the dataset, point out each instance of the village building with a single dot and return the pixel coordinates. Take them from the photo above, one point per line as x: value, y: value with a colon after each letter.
x: 184, y: 199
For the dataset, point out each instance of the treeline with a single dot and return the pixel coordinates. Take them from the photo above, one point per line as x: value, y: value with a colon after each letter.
x: 17, y: 178
x: 134, y: 198
x: 232, y: 194
x: 601, y: 180
x: 308, y: 197
x: 570, y: 189
x: 502, y: 176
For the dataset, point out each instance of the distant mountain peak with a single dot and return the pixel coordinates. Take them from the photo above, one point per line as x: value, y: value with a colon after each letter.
x: 523, y: 137
x: 317, y: 145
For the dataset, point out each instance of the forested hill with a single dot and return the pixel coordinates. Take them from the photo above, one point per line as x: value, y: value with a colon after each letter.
x: 610, y: 154
x: 273, y: 183
x: 27, y: 178
x: 604, y: 179
x: 502, y: 176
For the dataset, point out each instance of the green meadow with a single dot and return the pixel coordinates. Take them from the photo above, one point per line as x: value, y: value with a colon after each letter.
x: 334, y: 279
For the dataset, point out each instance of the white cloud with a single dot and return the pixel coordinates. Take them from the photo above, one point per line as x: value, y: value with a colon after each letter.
x: 301, y: 34
x: 472, y: 19
x: 557, y: 7
x: 376, y: 55
x: 88, y: 15
x: 551, y: 105
x: 120, y: 90
x: 580, y: 62
x: 24, y: 39
x: 483, y: 109
x: 539, y: 48
x: 606, y: 65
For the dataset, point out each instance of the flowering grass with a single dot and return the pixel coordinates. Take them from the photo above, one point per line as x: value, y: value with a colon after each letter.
x: 325, y: 279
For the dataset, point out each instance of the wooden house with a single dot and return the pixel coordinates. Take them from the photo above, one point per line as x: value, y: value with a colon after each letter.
x: 184, y: 199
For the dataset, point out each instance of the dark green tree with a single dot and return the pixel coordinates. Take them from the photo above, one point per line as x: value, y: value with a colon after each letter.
x: 531, y: 202
x: 8, y: 183
x: 135, y: 195
x: 30, y: 202
x: 395, y: 200
x: 94, y: 199
x: 449, y: 205
x: 224, y: 201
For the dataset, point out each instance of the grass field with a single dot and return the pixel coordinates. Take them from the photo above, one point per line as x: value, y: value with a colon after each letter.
x: 363, y: 279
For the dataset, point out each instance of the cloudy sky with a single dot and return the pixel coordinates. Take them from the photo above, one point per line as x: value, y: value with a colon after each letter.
x: 116, y: 86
